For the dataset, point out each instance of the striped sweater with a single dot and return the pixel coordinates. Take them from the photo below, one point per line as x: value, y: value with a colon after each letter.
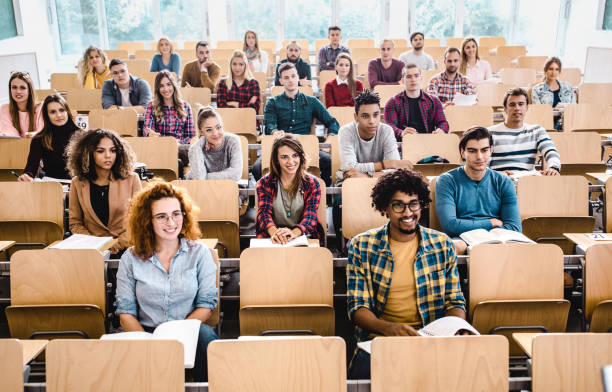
x: 517, y: 149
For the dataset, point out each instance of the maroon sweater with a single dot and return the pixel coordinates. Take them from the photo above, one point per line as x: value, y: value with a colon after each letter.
x: 377, y: 74
x: 340, y: 95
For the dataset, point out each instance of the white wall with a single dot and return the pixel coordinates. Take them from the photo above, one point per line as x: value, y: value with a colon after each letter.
x: 37, y: 37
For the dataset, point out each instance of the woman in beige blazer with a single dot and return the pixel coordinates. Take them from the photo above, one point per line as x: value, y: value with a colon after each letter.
x: 103, y: 183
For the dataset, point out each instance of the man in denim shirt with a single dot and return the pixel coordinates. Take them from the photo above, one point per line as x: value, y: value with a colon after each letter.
x: 124, y: 90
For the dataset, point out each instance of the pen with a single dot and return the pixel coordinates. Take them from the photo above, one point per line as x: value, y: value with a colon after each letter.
x: 15, y: 174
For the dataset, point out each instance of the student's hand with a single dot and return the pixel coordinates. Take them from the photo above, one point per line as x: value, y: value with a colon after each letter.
x: 25, y: 178
x: 549, y: 172
x: 463, y: 332
x: 29, y: 134
x: 395, y: 329
x: 496, y: 222
x: 397, y: 164
x: 233, y: 104
x: 253, y: 100
x: 187, y: 84
x: 305, y: 82
x: 115, y: 248
x: 447, y: 104
x: 408, y: 131
x: 152, y: 133
x: 278, y: 133
x: 207, y: 146
x: 113, y: 107
x: 509, y: 173
x: 281, y: 235
x: 438, y: 130
x: 352, y: 173
x: 208, y: 62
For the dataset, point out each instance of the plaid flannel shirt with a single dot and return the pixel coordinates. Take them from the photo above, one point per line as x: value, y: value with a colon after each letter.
x: 311, y: 192
x: 370, y: 268
x: 171, y: 124
x: 442, y: 87
x: 327, y: 56
x: 397, y: 113
x: 242, y: 94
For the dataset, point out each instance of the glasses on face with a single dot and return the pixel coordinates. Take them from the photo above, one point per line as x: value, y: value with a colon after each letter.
x: 176, y: 216
x: 120, y: 72
x: 414, y: 206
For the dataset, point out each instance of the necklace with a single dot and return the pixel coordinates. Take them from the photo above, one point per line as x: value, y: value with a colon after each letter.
x: 283, y: 195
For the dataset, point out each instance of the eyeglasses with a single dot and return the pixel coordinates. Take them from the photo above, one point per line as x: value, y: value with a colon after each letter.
x: 20, y: 73
x: 120, y: 72
x: 176, y: 216
x: 414, y: 206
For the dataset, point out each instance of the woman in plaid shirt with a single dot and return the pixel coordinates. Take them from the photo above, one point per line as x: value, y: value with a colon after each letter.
x: 288, y: 198
x: 239, y: 89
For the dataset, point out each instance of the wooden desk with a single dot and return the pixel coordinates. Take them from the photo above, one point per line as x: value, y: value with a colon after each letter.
x: 580, y: 239
x: 210, y: 242
x: 31, y: 349
x: 4, y: 245
x: 598, y: 178
x: 524, y: 339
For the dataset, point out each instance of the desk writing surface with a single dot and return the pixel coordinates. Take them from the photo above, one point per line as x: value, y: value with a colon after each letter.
x: 31, y: 349
x: 524, y: 340
x: 4, y: 245
x: 210, y: 242
x: 598, y: 178
x: 581, y: 239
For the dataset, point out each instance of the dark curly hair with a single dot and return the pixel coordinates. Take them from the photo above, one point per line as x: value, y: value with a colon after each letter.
x: 403, y: 180
x: 366, y: 98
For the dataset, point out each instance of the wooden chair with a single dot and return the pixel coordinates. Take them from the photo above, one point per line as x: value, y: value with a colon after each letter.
x: 218, y: 202
x: 13, y: 158
x: 300, y: 364
x: 533, y: 62
x: 195, y: 96
x: 41, y: 94
x: 65, y: 82
x: 569, y: 362
x: 149, y: 77
x: 551, y: 206
x: 186, y: 55
x: 268, y: 45
x: 324, y: 77
x: 160, y: 154
x: 434, y: 222
x: 365, y: 52
x: 282, y: 54
x: 571, y: 75
x: 229, y: 45
x: 276, y: 90
x: 190, y: 45
x: 387, y: 92
x: 145, y: 54
x: 361, y: 66
x: 400, y: 42
x: 222, y: 54
x: 244, y: 148
x: 598, y: 291
x: 262, y: 80
x: 511, y: 51
x: 154, y: 45
x: 81, y: 99
x: 130, y: 46
x: 418, y: 146
x: 499, y: 62
x: 286, y: 290
x: 335, y: 153
x: 241, y: 121
x: 356, y: 197
x: 587, y: 116
x: 426, y: 76
x: 436, y: 51
x: 360, y: 43
x: 115, y: 365
x: 462, y: 118
x: 432, y: 42
x: 598, y: 93
x: 31, y: 213
x: 123, y: 121
x: 541, y: 114
x: 57, y: 292
x: 457, y: 363
x: 518, y: 76
x: 343, y: 114
x: 319, y: 43
x: 116, y: 54
x: 580, y: 152
x: 454, y: 42
x: 138, y: 67
x: 11, y: 363
x: 517, y: 287
x: 492, y: 42
x: 492, y: 94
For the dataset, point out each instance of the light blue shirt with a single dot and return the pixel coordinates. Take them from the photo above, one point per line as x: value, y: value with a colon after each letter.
x: 145, y: 290
x: 173, y: 66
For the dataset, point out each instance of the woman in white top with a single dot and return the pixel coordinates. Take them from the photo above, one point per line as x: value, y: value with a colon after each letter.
x: 472, y: 66
x: 258, y: 60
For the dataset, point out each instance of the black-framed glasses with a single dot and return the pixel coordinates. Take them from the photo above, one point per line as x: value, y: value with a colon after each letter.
x: 414, y: 206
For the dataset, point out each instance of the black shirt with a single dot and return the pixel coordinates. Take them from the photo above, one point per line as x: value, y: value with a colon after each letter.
x: 54, y: 162
x: 556, y: 98
x: 415, y: 119
x: 98, y: 196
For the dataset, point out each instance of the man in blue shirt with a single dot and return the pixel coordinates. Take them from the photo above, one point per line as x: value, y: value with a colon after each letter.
x: 473, y: 196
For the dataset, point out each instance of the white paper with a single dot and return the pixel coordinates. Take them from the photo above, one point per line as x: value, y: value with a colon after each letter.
x: 48, y: 179
x: 447, y: 326
x: 524, y: 173
x: 82, y: 241
x: 464, y: 100
x: 365, y: 346
x: 267, y: 242
x: 599, y: 236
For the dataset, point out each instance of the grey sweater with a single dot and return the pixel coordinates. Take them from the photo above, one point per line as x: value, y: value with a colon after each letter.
x: 224, y: 163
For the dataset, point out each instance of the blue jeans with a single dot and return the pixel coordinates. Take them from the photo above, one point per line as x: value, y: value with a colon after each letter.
x: 361, y: 366
x: 200, y: 367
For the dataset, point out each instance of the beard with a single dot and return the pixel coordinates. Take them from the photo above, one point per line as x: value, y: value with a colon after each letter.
x: 295, y: 60
x: 408, y: 232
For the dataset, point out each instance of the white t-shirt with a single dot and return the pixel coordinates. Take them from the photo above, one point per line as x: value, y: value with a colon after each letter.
x: 125, y: 97
x: 423, y: 60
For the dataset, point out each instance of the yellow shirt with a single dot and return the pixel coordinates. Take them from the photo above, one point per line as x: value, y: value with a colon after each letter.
x: 94, y: 80
x: 401, y: 306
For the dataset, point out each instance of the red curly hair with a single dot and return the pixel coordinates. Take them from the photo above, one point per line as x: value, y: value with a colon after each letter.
x: 140, y: 217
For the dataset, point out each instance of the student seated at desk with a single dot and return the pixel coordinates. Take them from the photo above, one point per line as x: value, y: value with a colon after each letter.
x: 288, y: 198
x: 166, y: 275
x: 166, y: 59
x: 93, y: 68
x: 20, y: 117
x: 49, y: 144
x: 104, y: 181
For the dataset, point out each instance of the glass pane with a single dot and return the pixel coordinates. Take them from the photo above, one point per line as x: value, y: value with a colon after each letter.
x: 486, y: 18
x: 7, y: 19
x: 352, y: 14
x: 307, y: 19
x: 259, y: 16
x: 129, y: 20
x: 183, y: 20
x: 435, y: 19
x: 77, y: 22
x: 537, y: 27
x: 607, y: 20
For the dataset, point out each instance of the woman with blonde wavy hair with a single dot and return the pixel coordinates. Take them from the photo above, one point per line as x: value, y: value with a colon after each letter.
x: 166, y: 275
x: 93, y: 68
x: 166, y: 58
x: 238, y: 89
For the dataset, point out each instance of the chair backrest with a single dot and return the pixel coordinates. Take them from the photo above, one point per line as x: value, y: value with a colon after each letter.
x: 492, y: 42
x: 239, y: 120
x: 454, y: 41
x: 597, y: 269
x: 360, y: 64
x: 229, y: 45
x: 569, y: 362
x: 222, y: 54
x: 65, y: 82
x: 498, y: 62
x: 492, y: 94
x: 511, y: 51
x: 14, y: 157
x: 335, y: 153
x: 130, y: 46
x: 343, y: 114
x: 462, y: 118
x: 82, y: 99
x: 282, y: 54
x: 158, y: 153
x: 534, y: 62
x: 571, y: 75
x: 300, y: 364
x: 138, y: 67
x: 189, y: 44
x: 541, y: 114
x: 262, y: 80
x: 608, y: 208
x: 269, y: 45
x: 186, y: 55
x: 217, y: 199
x: 421, y: 145
x: 553, y: 196
x: 58, y: 276
x: 32, y: 201
x: 195, y: 96
x: 386, y: 92
x: 149, y: 77
x: 437, y: 52
x: 116, y: 54
x: 587, y: 116
x: 434, y: 222
x: 456, y: 363
x: 324, y: 77
x: 426, y: 76
x: 358, y: 215
x: 400, y: 42
x: 145, y: 54
x: 432, y: 42
x: 276, y: 90
x: 577, y: 147
x: 124, y: 121
x: 244, y: 148
x: 522, y: 77
x: 111, y: 365
x: 310, y: 144
x: 154, y: 45
x: 515, y: 272
x: 360, y: 43
x: 41, y: 94
x: 595, y: 93
x: 11, y: 363
x: 365, y: 52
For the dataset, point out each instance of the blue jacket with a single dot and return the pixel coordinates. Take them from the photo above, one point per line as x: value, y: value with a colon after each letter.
x: 140, y: 93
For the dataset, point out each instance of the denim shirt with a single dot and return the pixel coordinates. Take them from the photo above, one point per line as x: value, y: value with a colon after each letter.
x: 541, y: 94
x: 145, y: 290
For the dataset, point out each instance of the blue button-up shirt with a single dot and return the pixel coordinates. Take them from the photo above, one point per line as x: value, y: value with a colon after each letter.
x: 147, y: 291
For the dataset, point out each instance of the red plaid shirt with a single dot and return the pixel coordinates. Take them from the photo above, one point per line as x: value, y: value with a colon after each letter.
x: 397, y: 113
x: 171, y: 124
x: 242, y: 94
x: 311, y: 192
x: 442, y: 87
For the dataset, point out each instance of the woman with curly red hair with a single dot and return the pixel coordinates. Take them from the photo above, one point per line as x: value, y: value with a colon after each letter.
x: 166, y: 275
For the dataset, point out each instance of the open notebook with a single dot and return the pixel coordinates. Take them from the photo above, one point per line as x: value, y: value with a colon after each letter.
x: 82, y: 241
x: 267, y: 242
x: 494, y: 236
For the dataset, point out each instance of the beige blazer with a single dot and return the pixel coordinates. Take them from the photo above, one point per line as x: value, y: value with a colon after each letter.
x: 82, y: 217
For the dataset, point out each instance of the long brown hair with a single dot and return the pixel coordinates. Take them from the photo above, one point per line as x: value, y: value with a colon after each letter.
x: 83, y: 65
x: 293, y: 143
x: 158, y: 100
x: 47, y: 132
x: 30, y: 106
x: 463, y: 65
x: 244, y: 44
x: 352, y: 85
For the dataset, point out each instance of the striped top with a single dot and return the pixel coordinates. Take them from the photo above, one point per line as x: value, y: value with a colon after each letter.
x: 517, y: 149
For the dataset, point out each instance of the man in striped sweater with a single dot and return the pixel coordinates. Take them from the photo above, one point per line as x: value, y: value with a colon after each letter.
x: 516, y: 144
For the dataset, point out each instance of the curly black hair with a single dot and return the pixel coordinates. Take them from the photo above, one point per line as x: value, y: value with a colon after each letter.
x: 366, y: 98
x: 404, y: 180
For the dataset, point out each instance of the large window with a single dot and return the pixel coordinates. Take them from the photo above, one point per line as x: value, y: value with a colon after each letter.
x: 307, y: 19
x: 77, y: 21
x: 607, y: 18
x: 360, y: 19
x: 436, y: 19
x: 183, y: 20
x: 486, y: 18
x: 537, y: 28
x: 8, y: 27
x: 259, y: 16
x: 129, y: 21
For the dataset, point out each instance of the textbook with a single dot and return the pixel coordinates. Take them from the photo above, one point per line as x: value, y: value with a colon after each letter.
x: 185, y: 331
x: 445, y: 326
x: 82, y: 241
x: 524, y: 173
x: 494, y: 236
x: 267, y: 242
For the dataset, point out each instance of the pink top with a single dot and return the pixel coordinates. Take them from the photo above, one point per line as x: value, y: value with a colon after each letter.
x: 479, y: 72
x: 6, y: 125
